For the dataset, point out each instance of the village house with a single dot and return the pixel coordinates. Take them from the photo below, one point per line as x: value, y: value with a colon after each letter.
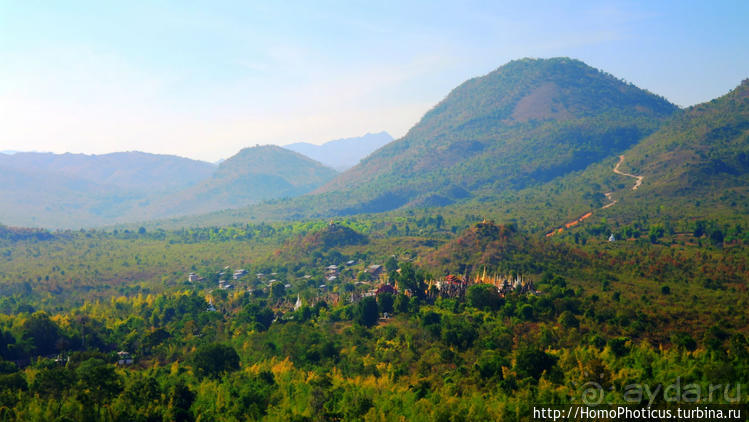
x: 375, y: 270
x: 124, y: 358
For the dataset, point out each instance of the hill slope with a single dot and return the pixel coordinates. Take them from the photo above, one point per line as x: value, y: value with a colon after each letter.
x: 342, y: 154
x: 695, y: 167
x: 526, y: 123
x: 698, y: 163
x: 74, y: 190
x: 495, y: 248
x: 127, y: 170
x: 252, y: 175
x: 708, y: 141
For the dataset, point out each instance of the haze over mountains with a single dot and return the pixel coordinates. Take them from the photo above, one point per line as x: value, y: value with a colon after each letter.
x: 69, y: 190
x: 252, y: 175
x: 535, y: 134
x: 74, y: 190
x: 342, y: 154
x: 538, y: 131
x: 128, y: 170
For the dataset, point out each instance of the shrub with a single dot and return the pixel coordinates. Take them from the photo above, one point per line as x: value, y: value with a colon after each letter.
x: 215, y: 359
x: 484, y: 296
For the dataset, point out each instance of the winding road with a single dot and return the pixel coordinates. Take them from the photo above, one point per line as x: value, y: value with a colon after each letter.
x: 638, y: 179
x: 608, y: 195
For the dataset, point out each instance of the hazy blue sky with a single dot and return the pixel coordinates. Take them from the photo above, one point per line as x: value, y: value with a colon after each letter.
x: 204, y: 79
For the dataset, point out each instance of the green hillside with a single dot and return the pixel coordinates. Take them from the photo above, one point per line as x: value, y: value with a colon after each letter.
x: 252, y: 175
x: 494, y: 139
x: 699, y: 162
x: 74, y: 190
x: 695, y: 168
x: 77, y: 190
x: 526, y: 123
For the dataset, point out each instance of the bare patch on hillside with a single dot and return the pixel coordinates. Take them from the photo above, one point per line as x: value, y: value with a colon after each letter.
x: 540, y: 105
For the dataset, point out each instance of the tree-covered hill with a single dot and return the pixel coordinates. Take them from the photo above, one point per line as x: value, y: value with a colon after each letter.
x: 500, y: 249
x: 526, y: 123
x: 77, y: 190
x: 694, y: 168
x: 252, y: 175
x: 699, y: 162
x: 522, y: 127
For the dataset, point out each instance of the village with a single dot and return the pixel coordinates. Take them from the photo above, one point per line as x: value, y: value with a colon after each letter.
x: 339, y: 287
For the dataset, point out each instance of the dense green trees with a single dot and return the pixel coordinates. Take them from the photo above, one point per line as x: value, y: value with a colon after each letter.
x: 215, y: 359
x: 43, y: 334
x: 484, y: 296
x: 531, y: 362
x: 367, y: 312
x: 385, y: 302
x: 601, y: 310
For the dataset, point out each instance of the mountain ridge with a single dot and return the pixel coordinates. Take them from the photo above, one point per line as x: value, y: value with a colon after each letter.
x: 482, y: 134
x: 490, y: 149
x: 342, y: 154
x: 253, y: 174
x: 127, y: 169
x: 72, y: 190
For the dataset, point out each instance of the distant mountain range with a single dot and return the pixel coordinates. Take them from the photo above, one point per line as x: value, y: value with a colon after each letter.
x: 342, y: 154
x: 126, y: 170
x: 73, y: 190
x: 536, y: 140
x: 252, y: 175
x: 78, y: 190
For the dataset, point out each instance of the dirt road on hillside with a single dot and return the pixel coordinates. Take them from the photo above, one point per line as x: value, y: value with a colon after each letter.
x: 638, y: 179
x: 609, y: 197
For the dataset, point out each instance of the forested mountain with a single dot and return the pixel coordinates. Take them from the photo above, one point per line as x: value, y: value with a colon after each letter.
x: 342, y: 154
x: 77, y: 190
x: 529, y: 123
x: 695, y: 166
x: 526, y: 123
x: 700, y: 158
x: 128, y: 170
x: 252, y: 175
x: 73, y: 190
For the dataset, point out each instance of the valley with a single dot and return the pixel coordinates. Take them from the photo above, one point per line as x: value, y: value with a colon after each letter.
x: 422, y: 282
